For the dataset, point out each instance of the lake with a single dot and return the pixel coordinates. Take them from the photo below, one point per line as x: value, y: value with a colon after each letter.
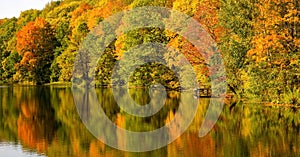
x: 43, y: 121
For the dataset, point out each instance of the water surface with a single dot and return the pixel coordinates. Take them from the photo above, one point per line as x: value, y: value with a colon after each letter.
x: 43, y: 121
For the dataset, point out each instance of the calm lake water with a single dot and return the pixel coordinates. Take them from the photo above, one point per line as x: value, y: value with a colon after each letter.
x: 43, y: 121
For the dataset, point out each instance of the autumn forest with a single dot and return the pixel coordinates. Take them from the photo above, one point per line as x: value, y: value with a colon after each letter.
x: 259, y: 42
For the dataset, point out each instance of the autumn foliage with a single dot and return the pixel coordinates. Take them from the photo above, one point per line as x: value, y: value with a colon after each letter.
x: 255, y: 38
x: 35, y: 43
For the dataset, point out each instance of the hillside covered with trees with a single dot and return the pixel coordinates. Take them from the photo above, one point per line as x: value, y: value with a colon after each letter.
x: 259, y: 41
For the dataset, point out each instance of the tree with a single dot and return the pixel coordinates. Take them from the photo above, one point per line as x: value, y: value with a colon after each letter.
x: 188, y: 7
x: 62, y: 35
x: 65, y: 62
x: 27, y: 16
x: 35, y: 43
x: 7, y: 30
x: 61, y: 14
x: 141, y: 3
x: 105, y: 66
x: 8, y: 66
x: 275, y: 48
x: 237, y: 19
x: 58, y: 14
x: 206, y: 13
x: 103, y: 10
x: 149, y: 73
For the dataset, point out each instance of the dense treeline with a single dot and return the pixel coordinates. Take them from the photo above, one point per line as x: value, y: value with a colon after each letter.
x: 259, y: 40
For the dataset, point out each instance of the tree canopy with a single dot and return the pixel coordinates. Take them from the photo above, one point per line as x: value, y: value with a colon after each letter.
x: 259, y: 42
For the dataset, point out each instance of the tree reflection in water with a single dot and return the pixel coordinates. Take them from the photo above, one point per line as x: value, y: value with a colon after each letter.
x: 45, y: 120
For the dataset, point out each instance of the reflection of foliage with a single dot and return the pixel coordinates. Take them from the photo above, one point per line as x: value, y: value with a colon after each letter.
x: 107, y: 102
x: 54, y: 127
x: 27, y: 116
x: 141, y: 97
x: 8, y: 115
x: 251, y: 128
x: 36, y: 121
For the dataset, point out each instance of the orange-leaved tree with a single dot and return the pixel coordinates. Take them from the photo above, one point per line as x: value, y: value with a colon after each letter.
x: 276, y: 30
x: 35, y: 43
